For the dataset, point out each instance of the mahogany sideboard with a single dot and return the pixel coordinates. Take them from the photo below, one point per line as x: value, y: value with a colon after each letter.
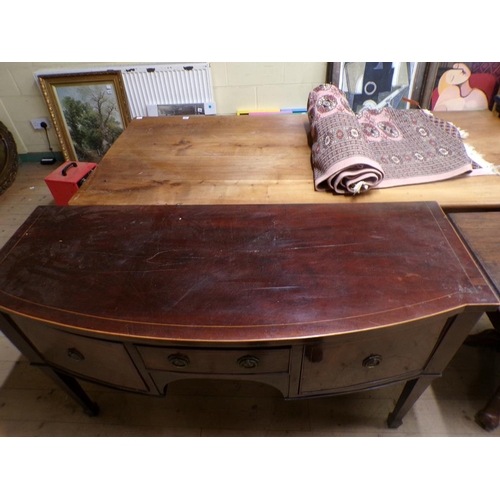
x: 312, y: 299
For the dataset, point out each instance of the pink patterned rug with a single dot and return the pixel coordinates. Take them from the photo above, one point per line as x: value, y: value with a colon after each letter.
x: 379, y: 148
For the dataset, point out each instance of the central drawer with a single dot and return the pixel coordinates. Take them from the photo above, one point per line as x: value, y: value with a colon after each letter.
x: 215, y: 361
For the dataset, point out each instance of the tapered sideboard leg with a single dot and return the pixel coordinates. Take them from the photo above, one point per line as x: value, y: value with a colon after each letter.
x: 73, y: 389
x: 67, y: 383
x: 454, y: 334
x: 413, y: 389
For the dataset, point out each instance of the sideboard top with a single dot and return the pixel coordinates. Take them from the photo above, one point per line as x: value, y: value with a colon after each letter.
x: 230, y: 273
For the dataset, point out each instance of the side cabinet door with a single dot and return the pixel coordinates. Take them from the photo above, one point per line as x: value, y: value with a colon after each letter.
x: 99, y: 360
x: 368, y: 359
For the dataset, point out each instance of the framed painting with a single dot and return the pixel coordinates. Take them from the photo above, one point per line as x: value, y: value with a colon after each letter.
x: 89, y: 111
x: 397, y: 84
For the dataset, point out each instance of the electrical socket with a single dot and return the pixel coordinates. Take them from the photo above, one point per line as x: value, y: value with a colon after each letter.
x: 37, y: 123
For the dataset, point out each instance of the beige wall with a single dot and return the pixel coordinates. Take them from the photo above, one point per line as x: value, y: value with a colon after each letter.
x: 237, y: 86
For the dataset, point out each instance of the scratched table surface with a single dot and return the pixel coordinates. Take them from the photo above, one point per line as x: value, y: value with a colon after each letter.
x: 237, y: 272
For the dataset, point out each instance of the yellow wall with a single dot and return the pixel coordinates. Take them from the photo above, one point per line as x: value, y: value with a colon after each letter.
x: 236, y: 86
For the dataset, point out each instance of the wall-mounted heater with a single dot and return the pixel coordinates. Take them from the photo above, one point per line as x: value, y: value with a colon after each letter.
x: 151, y: 86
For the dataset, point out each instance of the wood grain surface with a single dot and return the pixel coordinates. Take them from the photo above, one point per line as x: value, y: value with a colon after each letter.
x: 237, y: 272
x: 481, y: 232
x: 256, y: 159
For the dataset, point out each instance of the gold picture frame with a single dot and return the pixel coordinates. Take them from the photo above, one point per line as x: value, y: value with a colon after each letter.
x: 88, y: 110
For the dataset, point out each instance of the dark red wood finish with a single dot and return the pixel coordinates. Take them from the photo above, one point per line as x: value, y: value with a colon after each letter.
x: 237, y: 273
x: 312, y: 299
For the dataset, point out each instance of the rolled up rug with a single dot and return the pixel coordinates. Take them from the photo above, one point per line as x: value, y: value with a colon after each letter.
x: 341, y: 160
x: 379, y: 148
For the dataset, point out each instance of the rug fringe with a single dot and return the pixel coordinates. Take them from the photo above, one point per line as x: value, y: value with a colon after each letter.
x: 478, y: 158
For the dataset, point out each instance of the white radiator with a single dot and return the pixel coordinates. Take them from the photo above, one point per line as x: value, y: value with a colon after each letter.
x: 151, y: 85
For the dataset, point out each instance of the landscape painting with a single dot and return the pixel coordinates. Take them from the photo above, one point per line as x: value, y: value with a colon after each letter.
x: 89, y: 112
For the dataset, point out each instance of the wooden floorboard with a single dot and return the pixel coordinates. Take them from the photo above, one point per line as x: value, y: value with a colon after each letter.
x: 31, y: 405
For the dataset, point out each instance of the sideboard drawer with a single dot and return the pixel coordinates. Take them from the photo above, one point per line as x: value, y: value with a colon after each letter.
x: 370, y: 358
x: 101, y: 360
x: 216, y: 361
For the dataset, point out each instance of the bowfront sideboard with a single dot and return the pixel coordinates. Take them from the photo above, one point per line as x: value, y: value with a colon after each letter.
x: 312, y: 299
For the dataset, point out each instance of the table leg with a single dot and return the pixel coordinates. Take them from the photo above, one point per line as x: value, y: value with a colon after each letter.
x: 73, y: 389
x: 413, y: 389
x: 454, y: 333
x: 489, y: 417
x: 67, y: 383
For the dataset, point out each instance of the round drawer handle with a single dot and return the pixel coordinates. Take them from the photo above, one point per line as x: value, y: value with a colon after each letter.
x: 372, y: 361
x: 75, y: 354
x: 248, y: 362
x: 179, y: 360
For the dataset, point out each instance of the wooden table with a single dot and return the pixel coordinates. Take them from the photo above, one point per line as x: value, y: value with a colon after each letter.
x: 244, y: 270
x: 257, y: 159
x: 481, y: 233
x: 314, y: 300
